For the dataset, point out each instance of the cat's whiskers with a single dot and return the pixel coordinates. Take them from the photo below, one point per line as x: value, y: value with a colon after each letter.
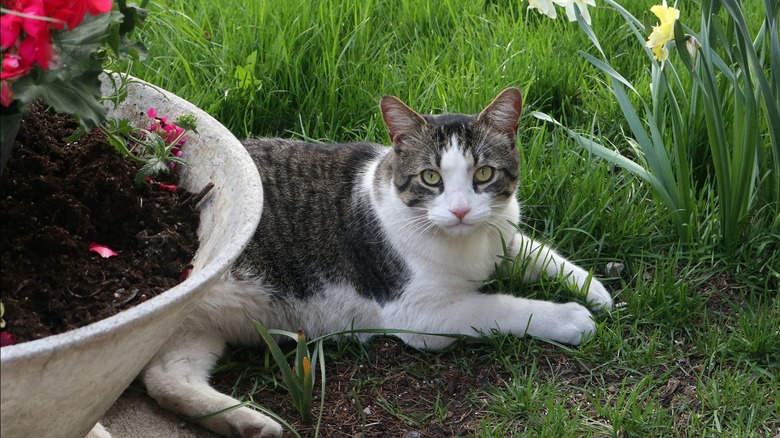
x: 497, y: 217
x: 417, y: 227
x: 411, y: 225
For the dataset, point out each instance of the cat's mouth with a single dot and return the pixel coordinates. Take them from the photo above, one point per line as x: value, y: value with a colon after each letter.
x: 458, y: 229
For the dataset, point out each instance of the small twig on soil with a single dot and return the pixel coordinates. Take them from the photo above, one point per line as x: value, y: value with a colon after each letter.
x: 74, y: 294
x: 195, y: 199
x: 22, y: 285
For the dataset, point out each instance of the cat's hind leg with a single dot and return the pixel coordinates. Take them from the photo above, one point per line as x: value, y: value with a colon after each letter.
x: 178, y: 379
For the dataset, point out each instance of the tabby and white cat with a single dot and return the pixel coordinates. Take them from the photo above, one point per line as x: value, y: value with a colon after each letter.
x: 362, y: 236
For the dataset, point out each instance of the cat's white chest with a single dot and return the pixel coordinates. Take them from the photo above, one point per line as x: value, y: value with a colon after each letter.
x: 459, y: 260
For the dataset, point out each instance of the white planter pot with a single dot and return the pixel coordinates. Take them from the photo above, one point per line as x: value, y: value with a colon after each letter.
x: 61, y: 385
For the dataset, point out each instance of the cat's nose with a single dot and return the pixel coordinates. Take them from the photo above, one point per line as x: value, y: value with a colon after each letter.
x: 460, y: 212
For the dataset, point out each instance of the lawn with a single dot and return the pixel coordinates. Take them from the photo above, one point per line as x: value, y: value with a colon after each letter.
x: 693, y: 346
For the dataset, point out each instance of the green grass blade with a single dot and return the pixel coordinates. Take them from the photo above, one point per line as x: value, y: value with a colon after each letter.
x: 612, y: 156
x: 606, y: 68
x: 289, y: 377
x: 289, y: 334
x: 320, y: 355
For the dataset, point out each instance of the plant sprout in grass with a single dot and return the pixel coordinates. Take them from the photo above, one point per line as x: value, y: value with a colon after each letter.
x: 300, y: 378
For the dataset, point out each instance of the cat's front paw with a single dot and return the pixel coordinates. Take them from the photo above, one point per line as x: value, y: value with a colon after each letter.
x: 567, y: 323
x: 575, y: 324
x: 598, y: 297
x: 247, y: 423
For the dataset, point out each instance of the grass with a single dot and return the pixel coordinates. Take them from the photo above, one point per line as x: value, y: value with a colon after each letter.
x: 694, y: 347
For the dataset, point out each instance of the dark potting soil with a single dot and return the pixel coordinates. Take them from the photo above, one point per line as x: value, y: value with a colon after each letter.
x: 56, y: 198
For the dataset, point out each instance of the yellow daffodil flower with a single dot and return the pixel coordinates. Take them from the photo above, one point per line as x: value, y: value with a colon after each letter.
x: 664, y: 32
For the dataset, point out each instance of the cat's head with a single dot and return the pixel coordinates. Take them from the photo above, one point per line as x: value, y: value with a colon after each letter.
x: 457, y: 171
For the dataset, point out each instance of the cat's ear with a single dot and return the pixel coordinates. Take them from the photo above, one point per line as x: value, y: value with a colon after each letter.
x: 399, y: 118
x: 503, y: 112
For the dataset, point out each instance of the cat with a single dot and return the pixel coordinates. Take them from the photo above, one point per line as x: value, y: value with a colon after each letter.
x: 360, y: 235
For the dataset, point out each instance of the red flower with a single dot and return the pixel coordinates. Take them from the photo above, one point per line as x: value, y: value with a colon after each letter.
x: 34, y: 45
x: 14, y: 66
x: 10, y: 26
x: 73, y: 12
x: 37, y: 49
x: 96, y: 7
x: 34, y: 26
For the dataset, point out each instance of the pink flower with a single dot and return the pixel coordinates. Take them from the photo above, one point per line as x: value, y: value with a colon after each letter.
x: 6, y: 95
x: 172, y: 132
x: 157, y: 122
x: 104, y: 251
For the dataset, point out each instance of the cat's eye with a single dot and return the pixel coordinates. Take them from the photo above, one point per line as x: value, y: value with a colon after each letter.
x: 430, y: 177
x: 483, y: 174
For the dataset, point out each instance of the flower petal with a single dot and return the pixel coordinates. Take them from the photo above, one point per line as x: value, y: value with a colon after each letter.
x: 96, y: 7
x: 185, y: 273
x: 15, y: 66
x: 10, y: 27
x: 6, y: 94
x: 545, y: 7
x: 104, y: 251
x: 7, y: 338
x: 34, y: 26
x: 665, y: 13
x: 664, y: 32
